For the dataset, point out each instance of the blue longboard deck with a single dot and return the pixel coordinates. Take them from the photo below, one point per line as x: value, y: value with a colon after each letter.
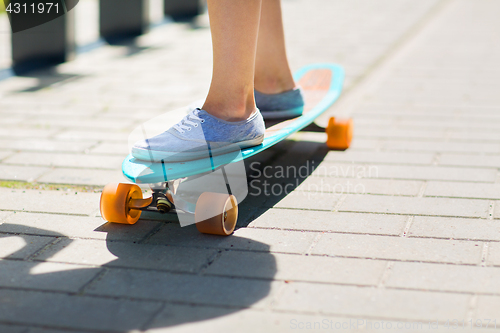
x: 321, y: 84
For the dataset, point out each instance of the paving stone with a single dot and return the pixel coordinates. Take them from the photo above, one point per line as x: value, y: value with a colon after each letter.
x: 44, y: 276
x: 4, y: 215
x: 83, y: 176
x: 329, y: 221
x: 109, y: 148
x: 380, y: 157
x: 425, y: 146
x: 21, y: 246
x: 365, y: 302
x: 399, y: 248
x: 130, y: 255
x: 196, y: 318
x: 463, y: 190
x: 4, y: 154
x: 437, y: 277
x: 49, y: 201
x: 74, y: 311
x: 194, y: 289
x: 13, y: 328
x: 21, y: 173
x: 405, y: 172
x: 106, y: 135
x: 302, y: 200
x: 66, y: 160
x: 325, y: 185
x: 298, y: 268
x: 45, y: 145
x: 488, y: 310
x: 415, y: 206
x: 75, y: 226
x: 470, y: 160
x: 493, y: 254
x: 249, y: 239
x: 456, y: 228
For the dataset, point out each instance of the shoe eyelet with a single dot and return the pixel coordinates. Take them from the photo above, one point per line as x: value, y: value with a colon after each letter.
x: 202, y: 121
x: 189, y: 128
x: 195, y: 125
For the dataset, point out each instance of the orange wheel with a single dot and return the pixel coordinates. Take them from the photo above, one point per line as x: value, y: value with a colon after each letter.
x: 115, y: 200
x: 216, y: 213
x: 339, y: 133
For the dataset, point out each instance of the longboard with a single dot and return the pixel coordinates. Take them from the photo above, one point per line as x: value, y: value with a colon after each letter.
x: 123, y: 203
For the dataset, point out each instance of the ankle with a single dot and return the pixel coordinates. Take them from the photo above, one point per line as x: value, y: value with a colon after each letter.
x: 274, y: 85
x: 228, y: 111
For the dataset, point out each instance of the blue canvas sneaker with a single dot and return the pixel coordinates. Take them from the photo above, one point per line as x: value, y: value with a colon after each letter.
x: 199, y: 135
x: 288, y: 104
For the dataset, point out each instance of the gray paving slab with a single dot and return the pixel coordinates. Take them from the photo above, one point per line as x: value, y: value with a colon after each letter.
x: 75, y: 176
x: 289, y: 267
x: 487, y: 310
x: 193, y: 289
x: 44, y: 224
x: 66, y: 160
x: 399, y: 248
x: 462, y: 190
x: 380, y: 157
x: 406, y: 172
x: 45, y: 145
x: 249, y: 239
x: 74, y: 311
x: 372, y: 302
x: 21, y: 173
x: 415, y: 206
x: 327, y: 185
x: 21, y: 246
x: 66, y: 202
x: 493, y: 257
x: 451, y: 278
x: 45, y: 276
x: 470, y: 160
x: 128, y: 255
x: 456, y: 228
x: 329, y: 221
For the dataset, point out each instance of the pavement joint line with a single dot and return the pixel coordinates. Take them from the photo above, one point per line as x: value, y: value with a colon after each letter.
x: 152, y: 232
x: 96, y: 278
x: 491, y: 210
x: 484, y: 255
x: 436, y: 158
x: 422, y: 189
x: 313, y: 243
x: 471, y: 308
x: 43, y: 249
x: 373, y: 74
x: 409, y: 221
x: 210, y: 260
x: 270, y: 306
x: 385, y: 275
x: 339, y: 203
x: 147, y: 324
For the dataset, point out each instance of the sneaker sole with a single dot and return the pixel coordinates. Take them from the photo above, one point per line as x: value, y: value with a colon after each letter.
x: 159, y: 156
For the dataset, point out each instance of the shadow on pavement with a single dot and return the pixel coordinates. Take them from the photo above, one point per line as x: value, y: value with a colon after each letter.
x: 273, y: 176
x: 150, y: 285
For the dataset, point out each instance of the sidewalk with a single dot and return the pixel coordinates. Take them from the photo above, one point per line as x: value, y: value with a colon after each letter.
x: 400, y: 232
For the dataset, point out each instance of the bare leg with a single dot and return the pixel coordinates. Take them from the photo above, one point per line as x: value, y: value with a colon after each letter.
x: 234, y: 26
x: 272, y: 72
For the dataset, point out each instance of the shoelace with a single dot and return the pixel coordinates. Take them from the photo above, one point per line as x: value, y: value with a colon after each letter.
x: 186, y: 122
